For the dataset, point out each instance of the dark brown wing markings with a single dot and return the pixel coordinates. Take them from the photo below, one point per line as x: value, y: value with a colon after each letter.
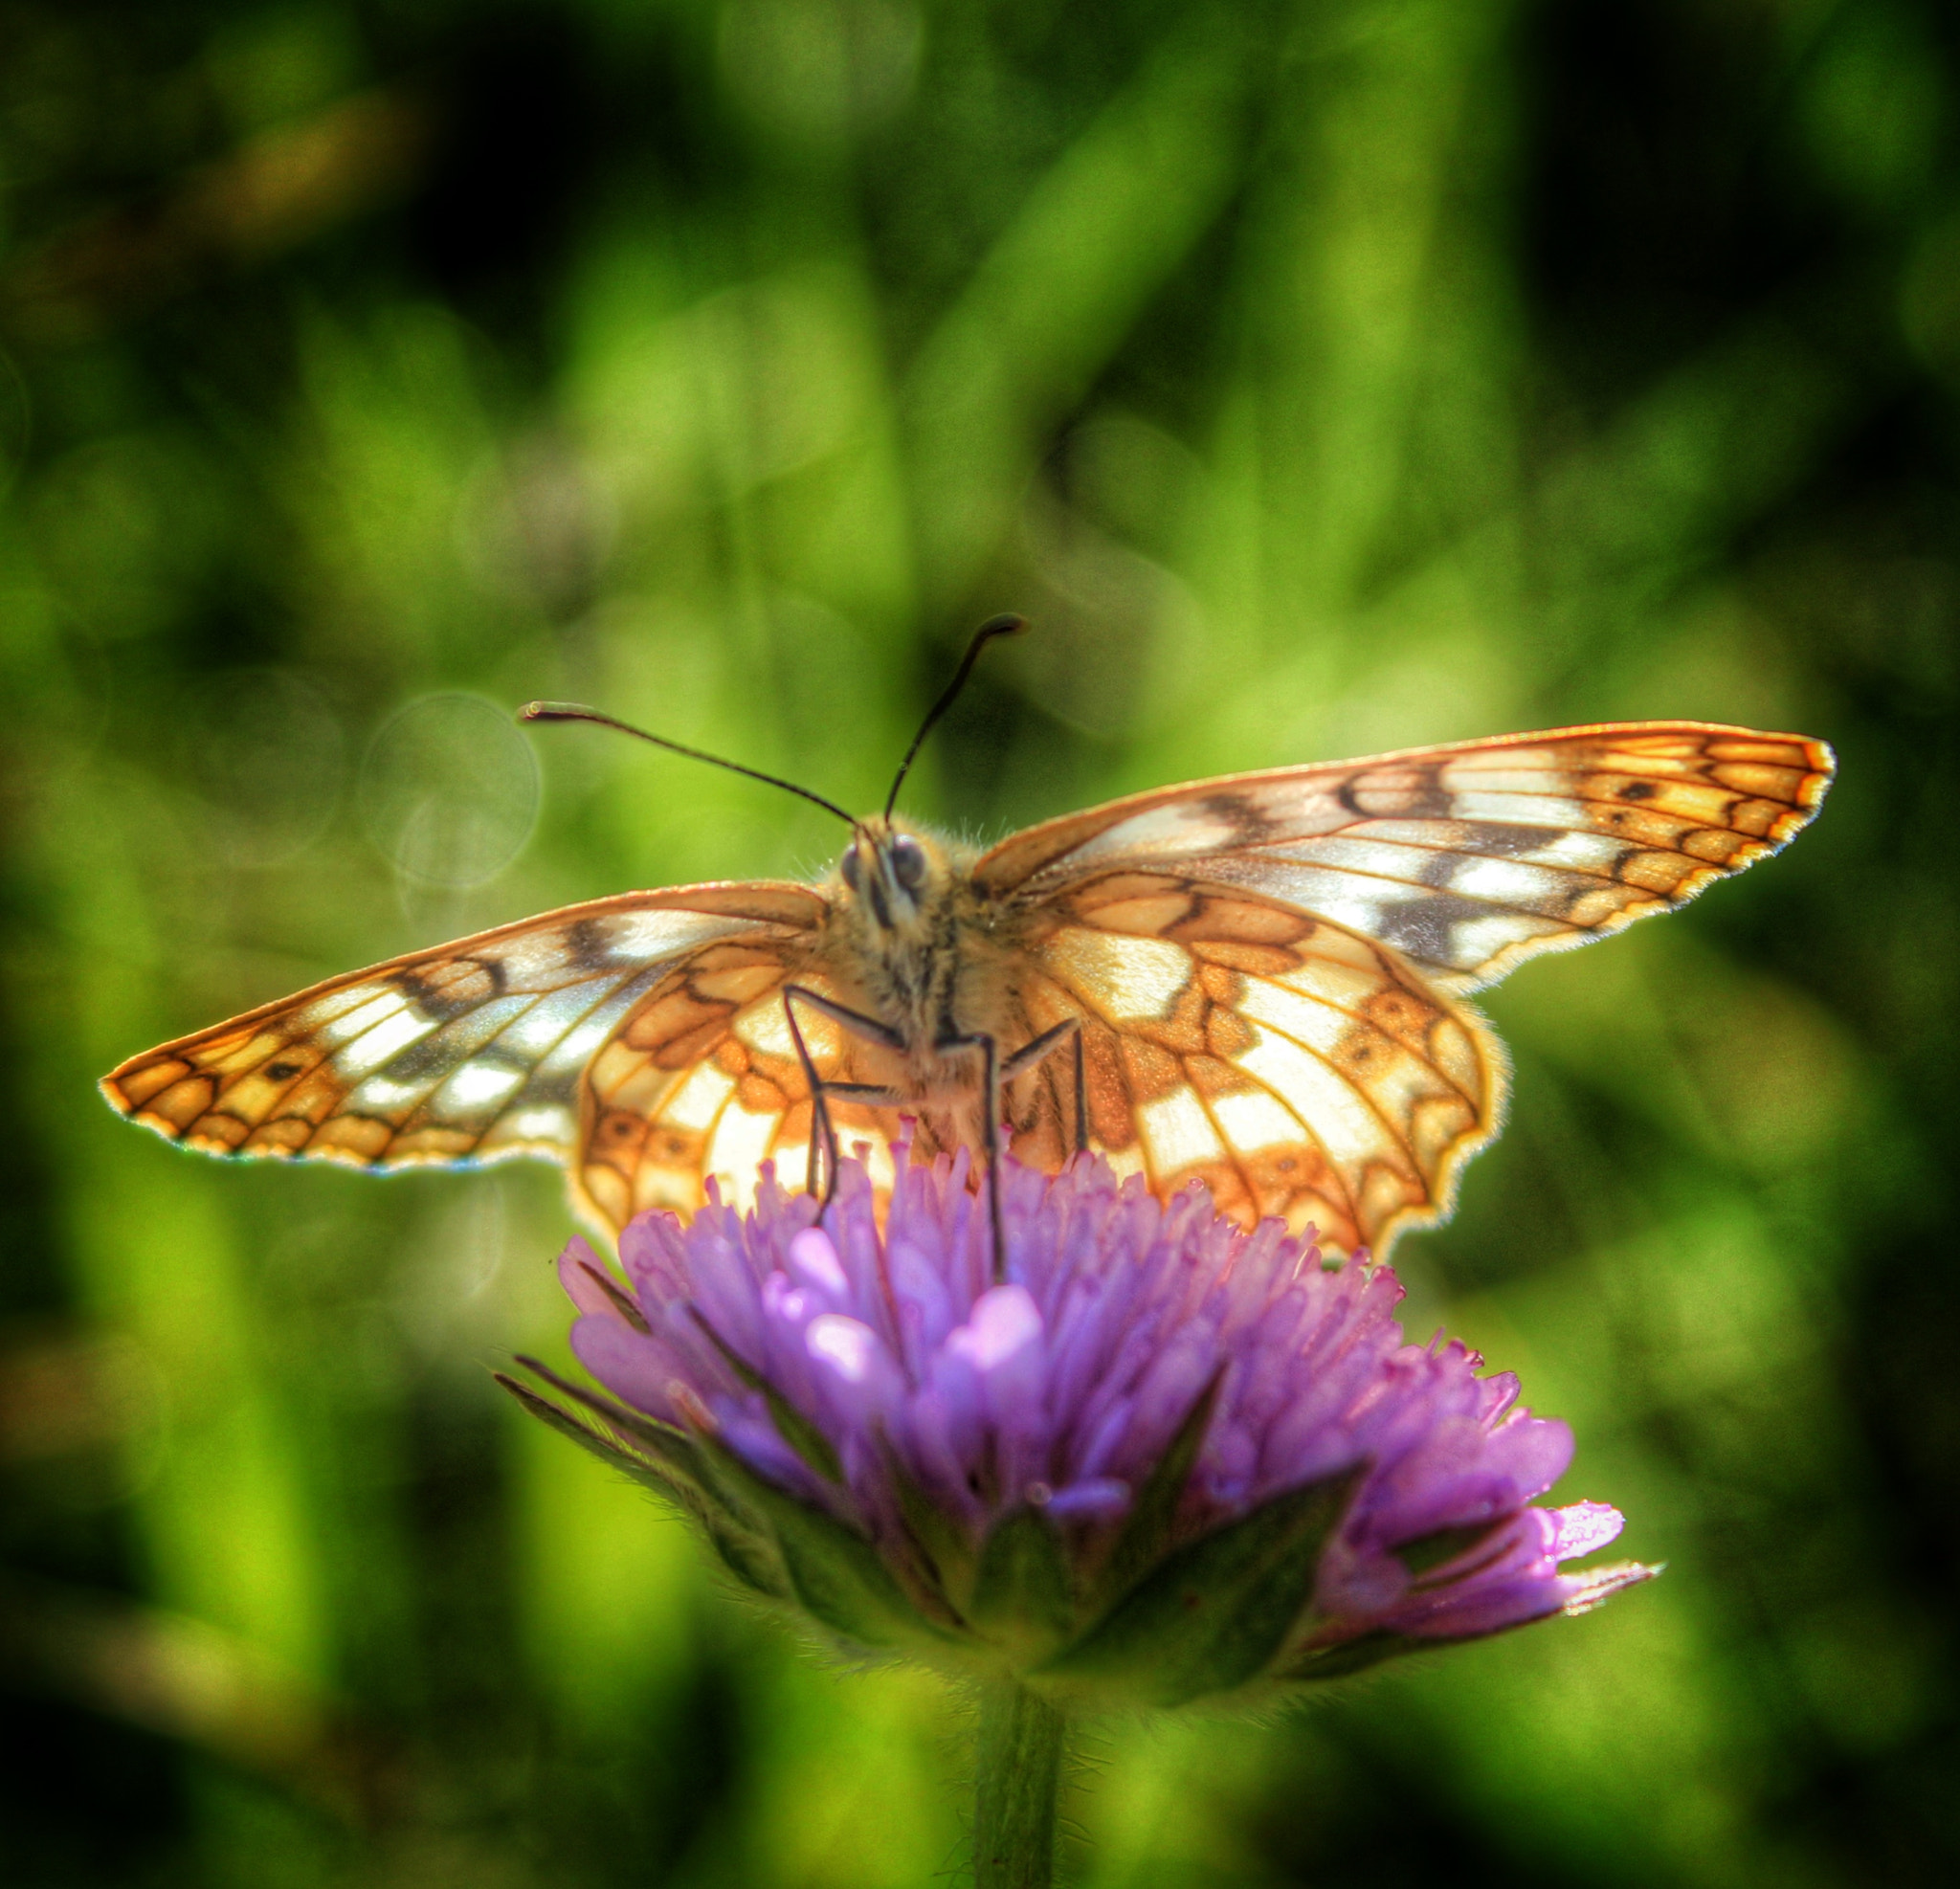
x: 633, y: 1154
x: 1741, y: 762
x: 280, y: 1082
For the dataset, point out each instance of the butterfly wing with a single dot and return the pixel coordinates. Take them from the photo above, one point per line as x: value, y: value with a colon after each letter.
x: 1296, y: 1069
x: 701, y: 1080
x: 1464, y: 859
x: 1265, y: 967
x: 468, y: 1051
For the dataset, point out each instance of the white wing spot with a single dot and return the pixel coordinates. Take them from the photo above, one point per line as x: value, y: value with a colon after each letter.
x: 1586, y: 851
x: 550, y: 1123
x: 367, y: 1052
x: 694, y: 1104
x: 650, y: 936
x: 1506, y: 882
x: 1181, y: 827
x: 1345, y: 1124
x: 341, y: 1017
x: 1476, y: 940
x: 478, y: 1086
x: 378, y: 1096
x: 1295, y: 1014
x: 581, y: 1042
x: 740, y: 1141
x: 1253, y: 1120
x: 1132, y: 977
x: 1520, y: 807
x: 764, y: 1026
x: 537, y: 1033
x: 1178, y: 1132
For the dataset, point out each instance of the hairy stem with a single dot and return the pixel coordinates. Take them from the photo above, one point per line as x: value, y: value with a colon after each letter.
x: 1021, y: 1739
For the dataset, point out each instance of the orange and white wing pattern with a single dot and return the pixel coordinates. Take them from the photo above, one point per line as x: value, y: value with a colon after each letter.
x: 1464, y: 859
x: 1297, y: 1069
x: 473, y: 1050
x: 701, y: 1080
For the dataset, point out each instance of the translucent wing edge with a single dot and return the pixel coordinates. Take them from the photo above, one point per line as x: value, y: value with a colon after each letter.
x: 1508, y: 959
x: 1495, y: 1059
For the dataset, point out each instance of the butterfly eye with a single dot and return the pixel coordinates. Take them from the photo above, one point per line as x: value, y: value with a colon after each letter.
x: 853, y: 869
x: 908, y: 860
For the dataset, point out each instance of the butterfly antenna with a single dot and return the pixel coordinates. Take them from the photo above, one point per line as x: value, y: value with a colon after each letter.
x: 571, y: 711
x: 1008, y: 625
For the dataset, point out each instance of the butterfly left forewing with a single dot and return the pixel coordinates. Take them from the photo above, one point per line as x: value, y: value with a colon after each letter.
x: 471, y: 1050
x: 1465, y: 859
x: 1299, y: 1070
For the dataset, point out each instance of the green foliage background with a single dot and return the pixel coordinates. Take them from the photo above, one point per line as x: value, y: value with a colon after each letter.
x: 1321, y: 376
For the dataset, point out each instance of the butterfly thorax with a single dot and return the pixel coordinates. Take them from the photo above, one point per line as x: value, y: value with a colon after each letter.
x: 917, y: 947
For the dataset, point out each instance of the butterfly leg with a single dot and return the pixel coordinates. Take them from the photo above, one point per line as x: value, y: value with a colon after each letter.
x: 990, y: 1132
x: 1040, y: 1049
x: 874, y: 1094
x: 1025, y: 1058
x: 1082, y: 1096
x: 823, y: 1132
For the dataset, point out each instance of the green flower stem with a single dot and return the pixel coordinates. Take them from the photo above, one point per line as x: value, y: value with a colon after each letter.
x: 1021, y: 1739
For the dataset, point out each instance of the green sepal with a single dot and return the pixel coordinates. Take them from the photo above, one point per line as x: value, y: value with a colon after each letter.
x: 835, y: 1575
x: 1021, y: 1590
x: 1355, y: 1656
x: 1147, y: 1531
x: 1216, y: 1612
x: 938, y: 1542
x: 666, y: 1443
x: 754, y: 1562
x: 812, y: 1448
x: 746, y: 1551
x: 642, y: 1472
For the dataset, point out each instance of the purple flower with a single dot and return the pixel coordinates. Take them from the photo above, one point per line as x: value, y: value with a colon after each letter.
x: 1163, y: 1459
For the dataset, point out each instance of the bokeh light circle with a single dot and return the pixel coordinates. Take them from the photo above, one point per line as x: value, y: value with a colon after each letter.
x: 449, y: 791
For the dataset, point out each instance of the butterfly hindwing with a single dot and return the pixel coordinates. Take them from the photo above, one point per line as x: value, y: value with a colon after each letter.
x: 703, y: 1080
x: 1464, y: 859
x: 1299, y: 1069
x: 471, y: 1050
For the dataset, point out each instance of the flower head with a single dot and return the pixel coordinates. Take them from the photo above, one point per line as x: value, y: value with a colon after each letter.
x: 1163, y: 1459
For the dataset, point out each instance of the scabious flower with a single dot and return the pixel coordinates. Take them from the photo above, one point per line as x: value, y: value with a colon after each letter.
x: 1163, y: 1460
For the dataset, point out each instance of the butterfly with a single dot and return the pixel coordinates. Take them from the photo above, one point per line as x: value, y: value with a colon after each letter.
x: 1256, y: 981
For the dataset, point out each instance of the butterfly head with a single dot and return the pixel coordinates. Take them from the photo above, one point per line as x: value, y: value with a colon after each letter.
x: 898, y: 877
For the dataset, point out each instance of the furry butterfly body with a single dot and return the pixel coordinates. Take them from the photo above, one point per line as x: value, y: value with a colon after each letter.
x: 1256, y: 981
